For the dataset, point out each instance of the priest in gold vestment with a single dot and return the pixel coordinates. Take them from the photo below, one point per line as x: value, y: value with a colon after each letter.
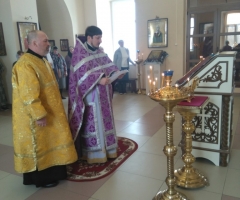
x: 43, y: 143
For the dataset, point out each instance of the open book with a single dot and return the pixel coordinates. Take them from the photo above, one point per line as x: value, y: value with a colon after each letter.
x: 117, y: 74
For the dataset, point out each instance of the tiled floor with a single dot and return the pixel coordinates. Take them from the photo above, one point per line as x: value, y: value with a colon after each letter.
x: 143, y: 174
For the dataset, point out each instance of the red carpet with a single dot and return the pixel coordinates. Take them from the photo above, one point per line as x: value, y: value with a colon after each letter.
x: 82, y: 171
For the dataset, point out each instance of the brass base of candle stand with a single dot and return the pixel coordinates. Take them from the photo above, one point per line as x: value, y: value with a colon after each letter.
x: 188, y: 176
x: 164, y: 195
x: 139, y: 91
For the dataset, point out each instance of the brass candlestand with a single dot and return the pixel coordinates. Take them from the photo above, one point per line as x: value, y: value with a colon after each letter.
x: 168, y: 97
x: 139, y: 61
x: 187, y: 176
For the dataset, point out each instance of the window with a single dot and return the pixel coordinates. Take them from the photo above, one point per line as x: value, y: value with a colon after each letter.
x: 233, y: 25
x: 123, y: 25
x: 191, y: 32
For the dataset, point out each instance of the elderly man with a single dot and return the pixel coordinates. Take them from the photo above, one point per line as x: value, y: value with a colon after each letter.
x: 90, y: 100
x: 43, y: 144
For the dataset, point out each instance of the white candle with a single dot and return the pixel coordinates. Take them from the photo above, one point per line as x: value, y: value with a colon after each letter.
x: 188, y: 82
x: 150, y: 84
x: 162, y: 79
x: 156, y: 82
x: 153, y: 85
x: 176, y: 85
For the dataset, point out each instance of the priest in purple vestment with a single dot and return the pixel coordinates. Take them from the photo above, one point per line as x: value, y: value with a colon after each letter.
x: 90, y: 109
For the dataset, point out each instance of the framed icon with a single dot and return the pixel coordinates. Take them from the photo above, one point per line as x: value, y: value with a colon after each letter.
x: 3, y: 51
x: 23, y: 29
x: 64, y: 44
x: 157, y: 32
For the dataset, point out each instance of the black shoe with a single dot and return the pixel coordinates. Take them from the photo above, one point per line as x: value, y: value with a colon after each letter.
x: 63, y: 97
x: 53, y: 184
x: 4, y: 107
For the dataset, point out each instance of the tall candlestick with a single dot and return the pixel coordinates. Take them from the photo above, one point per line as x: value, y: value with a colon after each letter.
x: 162, y: 80
x: 176, y: 85
x: 149, y: 85
x: 150, y: 82
x: 156, y: 82
x: 153, y: 85
x: 152, y: 70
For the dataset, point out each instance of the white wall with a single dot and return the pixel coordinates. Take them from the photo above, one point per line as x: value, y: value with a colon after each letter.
x: 55, y: 21
x: 90, y: 12
x: 76, y: 12
x: 175, y: 11
x: 12, y: 11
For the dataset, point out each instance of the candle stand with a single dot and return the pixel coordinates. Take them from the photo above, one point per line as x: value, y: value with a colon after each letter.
x: 139, y: 61
x: 169, y: 96
x: 188, y: 176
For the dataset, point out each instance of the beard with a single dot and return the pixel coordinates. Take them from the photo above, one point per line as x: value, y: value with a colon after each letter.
x: 96, y: 47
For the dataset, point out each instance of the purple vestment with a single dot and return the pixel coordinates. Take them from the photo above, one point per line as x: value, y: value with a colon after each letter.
x: 90, y: 103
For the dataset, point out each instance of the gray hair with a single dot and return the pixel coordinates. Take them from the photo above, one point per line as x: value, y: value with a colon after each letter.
x: 32, y: 35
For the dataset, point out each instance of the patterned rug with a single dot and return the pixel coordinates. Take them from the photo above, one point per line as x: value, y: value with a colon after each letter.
x: 82, y: 171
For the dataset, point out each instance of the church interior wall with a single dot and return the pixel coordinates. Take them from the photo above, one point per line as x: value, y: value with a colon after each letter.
x: 12, y: 11
x: 62, y: 19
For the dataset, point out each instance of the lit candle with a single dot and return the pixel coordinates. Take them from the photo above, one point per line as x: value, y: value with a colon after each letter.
x: 188, y: 82
x: 162, y: 79
x: 176, y: 85
x: 156, y: 82
x: 151, y: 74
x: 148, y: 77
x: 149, y: 85
x: 153, y: 85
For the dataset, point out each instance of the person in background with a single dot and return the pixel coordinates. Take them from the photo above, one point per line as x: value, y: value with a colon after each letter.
x: 18, y: 55
x: 3, y: 97
x: 90, y: 111
x: 122, y: 60
x: 68, y: 60
x: 226, y: 47
x: 50, y: 60
x: 42, y: 140
x: 61, y: 66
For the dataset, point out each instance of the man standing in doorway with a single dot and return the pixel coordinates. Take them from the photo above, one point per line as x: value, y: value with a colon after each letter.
x: 122, y: 60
